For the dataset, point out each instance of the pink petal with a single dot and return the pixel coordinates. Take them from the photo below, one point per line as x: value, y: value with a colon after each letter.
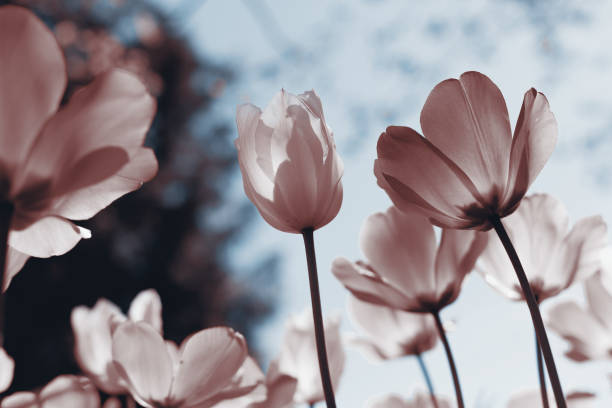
x: 209, y: 360
x: 7, y: 368
x: 428, y: 179
x: 114, y: 111
x: 247, y: 386
x: 467, y: 120
x: 15, y: 262
x: 147, y: 307
x: 280, y: 393
x: 47, y: 237
x: 600, y: 301
x: 366, y: 285
x: 534, y: 139
x: 140, y: 355
x: 583, y: 248
x: 69, y: 391
x: 32, y: 79
x: 22, y: 399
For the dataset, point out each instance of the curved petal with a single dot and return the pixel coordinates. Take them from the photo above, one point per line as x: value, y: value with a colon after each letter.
x: 141, y: 357
x: 32, y: 79
x: 413, y: 172
x: 22, y: 399
x: 15, y: 261
x: 147, y: 307
x: 534, y: 140
x: 600, y: 301
x: 115, y: 110
x: 209, y: 360
x: 47, y: 237
x: 7, y: 368
x: 467, y: 120
x: 69, y: 391
x: 401, y: 249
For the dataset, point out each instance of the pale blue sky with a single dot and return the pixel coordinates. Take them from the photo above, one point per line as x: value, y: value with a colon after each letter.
x: 373, y: 64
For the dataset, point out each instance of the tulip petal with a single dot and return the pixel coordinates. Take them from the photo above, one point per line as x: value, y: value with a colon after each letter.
x: 22, y: 399
x: 69, y: 391
x: 467, y: 120
x: 7, y: 368
x: 209, y: 360
x: 47, y: 237
x: 534, y: 140
x: 32, y: 79
x: 141, y: 357
x: 147, y: 307
x: 599, y: 300
x: 428, y: 179
x: 583, y: 247
x: 14, y: 263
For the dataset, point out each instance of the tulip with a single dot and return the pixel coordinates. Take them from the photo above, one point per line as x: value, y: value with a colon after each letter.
x: 299, y: 350
x: 59, y: 164
x: 7, y: 369
x: 92, y: 330
x: 420, y: 400
x: 471, y: 171
x: 201, y: 373
x: 63, y: 391
x: 291, y: 172
x: 531, y: 399
x: 589, y: 331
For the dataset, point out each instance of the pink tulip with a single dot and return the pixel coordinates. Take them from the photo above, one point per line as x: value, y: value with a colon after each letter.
x: 201, y: 373
x: 290, y: 168
x: 298, y: 356
x: 92, y: 330
x: 420, y: 400
x: 552, y: 256
x: 406, y: 270
x: 469, y: 167
x: 7, y: 369
x: 533, y: 399
x: 59, y: 164
x: 589, y: 332
x: 63, y: 392
x: 391, y: 333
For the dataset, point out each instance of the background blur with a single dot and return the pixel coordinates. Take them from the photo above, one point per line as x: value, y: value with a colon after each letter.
x: 191, y: 233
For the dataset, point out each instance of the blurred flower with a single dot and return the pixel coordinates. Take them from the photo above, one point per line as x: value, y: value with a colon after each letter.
x: 391, y: 333
x: 63, y: 391
x: 7, y: 368
x: 469, y: 167
x: 552, y: 256
x: 420, y: 400
x: 405, y: 269
x: 588, y: 331
x: 66, y: 164
x: 92, y: 330
x: 298, y: 356
x: 201, y: 373
x: 290, y: 168
x: 533, y: 399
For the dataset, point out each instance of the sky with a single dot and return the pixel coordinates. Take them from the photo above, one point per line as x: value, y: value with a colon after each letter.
x: 373, y: 64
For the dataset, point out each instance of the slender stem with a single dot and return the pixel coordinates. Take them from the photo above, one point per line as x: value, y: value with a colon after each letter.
x: 427, y: 379
x: 541, y: 374
x: 449, y: 356
x: 536, y: 317
x: 6, y: 214
x: 317, y: 315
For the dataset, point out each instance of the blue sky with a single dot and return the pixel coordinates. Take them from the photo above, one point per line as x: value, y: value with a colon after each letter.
x: 373, y: 64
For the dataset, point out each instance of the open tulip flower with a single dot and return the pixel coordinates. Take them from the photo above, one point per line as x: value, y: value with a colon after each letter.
x: 468, y: 166
x: 532, y: 399
x: 59, y: 164
x: 420, y: 400
x: 589, y: 332
x: 553, y: 257
x: 202, y: 372
x: 63, y: 392
x: 92, y: 330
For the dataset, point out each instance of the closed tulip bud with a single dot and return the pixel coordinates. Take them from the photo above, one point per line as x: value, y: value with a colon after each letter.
x: 290, y: 168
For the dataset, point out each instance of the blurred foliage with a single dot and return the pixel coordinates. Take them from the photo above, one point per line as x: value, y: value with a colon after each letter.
x: 160, y: 236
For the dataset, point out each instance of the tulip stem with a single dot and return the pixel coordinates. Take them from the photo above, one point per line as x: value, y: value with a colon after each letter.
x: 427, y: 379
x: 317, y: 315
x: 536, y: 317
x: 541, y: 374
x: 451, y: 360
x: 6, y: 215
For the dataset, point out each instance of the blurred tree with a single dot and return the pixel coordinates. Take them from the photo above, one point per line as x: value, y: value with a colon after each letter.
x: 160, y: 236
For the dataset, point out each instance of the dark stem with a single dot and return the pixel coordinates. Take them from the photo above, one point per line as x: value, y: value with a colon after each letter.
x: 317, y: 315
x: 541, y: 374
x: 427, y: 379
x: 6, y: 214
x: 536, y: 317
x: 449, y: 356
